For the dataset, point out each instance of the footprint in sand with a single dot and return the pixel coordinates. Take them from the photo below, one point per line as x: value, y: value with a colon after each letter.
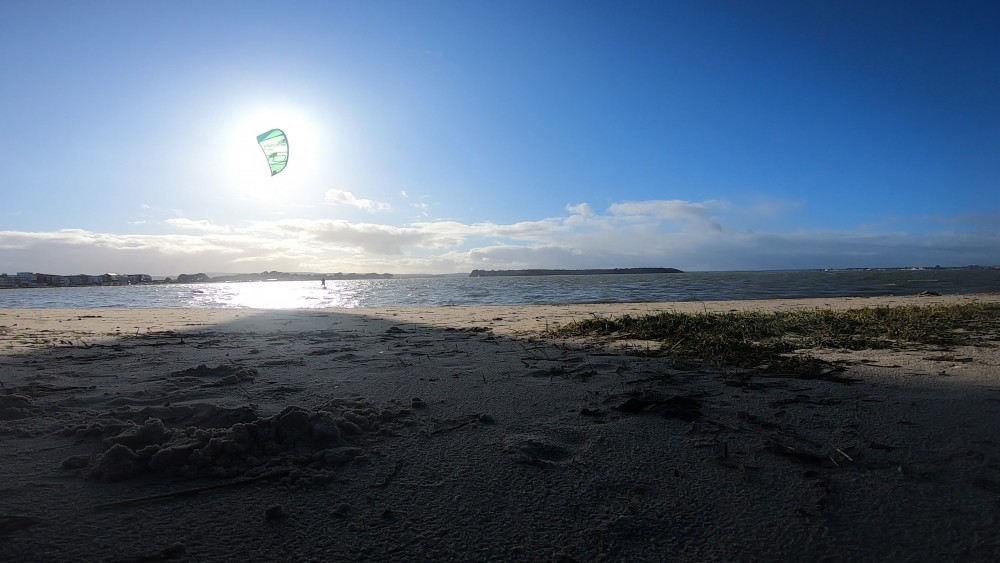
x: 553, y: 448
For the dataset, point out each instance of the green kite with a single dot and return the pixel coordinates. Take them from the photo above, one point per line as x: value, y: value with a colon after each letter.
x: 275, y: 146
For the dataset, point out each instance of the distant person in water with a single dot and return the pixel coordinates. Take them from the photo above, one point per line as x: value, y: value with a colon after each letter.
x: 322, y: 282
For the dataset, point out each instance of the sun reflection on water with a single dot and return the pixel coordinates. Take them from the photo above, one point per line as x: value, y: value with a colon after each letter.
x: 279, y: 295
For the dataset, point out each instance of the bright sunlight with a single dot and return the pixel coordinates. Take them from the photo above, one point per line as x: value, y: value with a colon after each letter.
x: 244, y: 166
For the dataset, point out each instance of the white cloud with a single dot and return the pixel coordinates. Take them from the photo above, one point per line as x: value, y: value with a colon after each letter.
x: 581, y: 209
x: 661, y: 208
x: 668, y: 233
x: 669, y: 210
x: 196, y: 225
x: 341, y: 197
x: 363, y: 237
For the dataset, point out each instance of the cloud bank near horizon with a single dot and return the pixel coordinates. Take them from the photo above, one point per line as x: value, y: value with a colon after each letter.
x: 693, y: 236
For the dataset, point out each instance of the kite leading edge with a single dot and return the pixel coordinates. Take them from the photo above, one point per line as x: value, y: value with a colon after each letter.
x: 275, y: 146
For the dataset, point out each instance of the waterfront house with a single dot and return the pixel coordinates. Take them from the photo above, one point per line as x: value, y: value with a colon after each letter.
x: 35, y: 279
x: 114, y: 279
x: 52, y: 280
x: 81, y: 279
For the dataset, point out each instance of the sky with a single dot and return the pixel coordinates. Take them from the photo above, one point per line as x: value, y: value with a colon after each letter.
x: 445, y: 136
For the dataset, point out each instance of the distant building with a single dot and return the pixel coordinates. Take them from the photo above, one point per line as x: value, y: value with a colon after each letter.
x: 114, y: 279
x: 52, y: 280
x: 82, y: 279
x: 37, y: 279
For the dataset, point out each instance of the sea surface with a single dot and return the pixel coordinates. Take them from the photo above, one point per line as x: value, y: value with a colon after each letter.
x: 546, y: 290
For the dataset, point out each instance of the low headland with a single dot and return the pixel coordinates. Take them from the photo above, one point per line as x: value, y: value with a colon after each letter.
x: 589, y: 272
x: 277, y: 276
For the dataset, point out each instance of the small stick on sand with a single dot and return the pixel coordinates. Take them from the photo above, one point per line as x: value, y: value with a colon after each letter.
x: 671, y: 349
x: 841, y: 452
x: 245, y: 392
x: 189, y: 492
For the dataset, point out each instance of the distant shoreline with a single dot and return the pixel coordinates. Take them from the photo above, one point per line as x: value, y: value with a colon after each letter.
x: 590, y: 272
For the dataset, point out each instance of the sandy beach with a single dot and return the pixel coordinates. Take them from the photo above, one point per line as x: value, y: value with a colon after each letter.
x: 469, y: 434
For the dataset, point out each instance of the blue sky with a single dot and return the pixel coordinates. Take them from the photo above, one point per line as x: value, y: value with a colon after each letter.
x: 439, y: 137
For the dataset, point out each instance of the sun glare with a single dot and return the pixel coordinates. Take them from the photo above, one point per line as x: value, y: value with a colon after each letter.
x: 245, y: 167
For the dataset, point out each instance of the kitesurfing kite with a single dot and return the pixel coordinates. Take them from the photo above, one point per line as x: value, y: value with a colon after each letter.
x: 275, y: 146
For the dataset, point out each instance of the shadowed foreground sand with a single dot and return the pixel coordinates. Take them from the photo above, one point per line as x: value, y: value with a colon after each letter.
x: 462, y: 434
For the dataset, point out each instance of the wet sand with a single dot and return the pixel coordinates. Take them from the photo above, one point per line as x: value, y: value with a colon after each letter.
x: 467, y: 434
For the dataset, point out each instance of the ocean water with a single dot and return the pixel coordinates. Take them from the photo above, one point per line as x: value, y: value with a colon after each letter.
x: 548, y: 290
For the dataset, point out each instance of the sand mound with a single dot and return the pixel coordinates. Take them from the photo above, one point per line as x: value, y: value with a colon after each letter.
x: 295, y: 443
x: 13, y: 407
x: 202, y: 415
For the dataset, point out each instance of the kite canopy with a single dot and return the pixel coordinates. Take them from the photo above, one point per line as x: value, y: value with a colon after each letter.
x: 275, y: 146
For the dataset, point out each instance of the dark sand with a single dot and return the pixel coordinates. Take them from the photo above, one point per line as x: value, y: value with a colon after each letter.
x: 462, y: 434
